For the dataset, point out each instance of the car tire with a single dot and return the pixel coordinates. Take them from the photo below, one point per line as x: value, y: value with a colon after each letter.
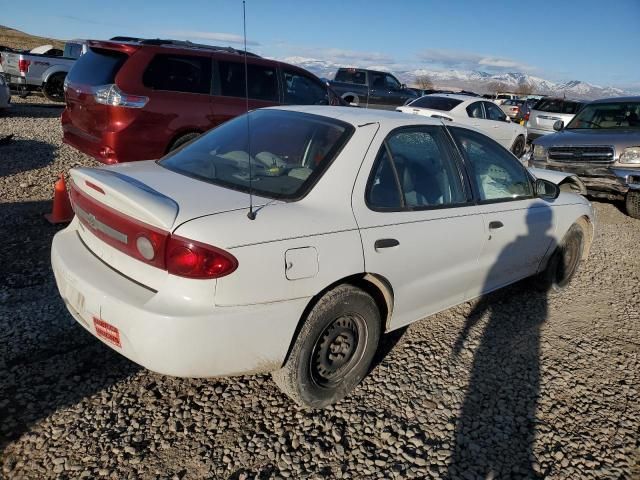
x: 564, y: 262
x: 632, y: 204
x: 518, y: 146
x: 182, y: 140
x: 53, y: 89
x: 333, y: 350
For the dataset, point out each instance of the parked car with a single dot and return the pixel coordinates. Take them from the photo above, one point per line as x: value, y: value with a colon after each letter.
x: 29, y: 72
x: 371, y: 88
x: 136, y: 100
x: 484, y: 115
x: 548, y: 111
x: 362, y: 222
x: 601, y: 145
x: 518, y: 110
x: 500, y: 98
x: 5, y: 93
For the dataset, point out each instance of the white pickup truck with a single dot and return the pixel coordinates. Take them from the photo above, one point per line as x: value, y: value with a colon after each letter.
x: 26, y: 72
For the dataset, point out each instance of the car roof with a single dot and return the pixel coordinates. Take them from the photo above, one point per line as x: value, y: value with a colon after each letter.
x: 456, y: 96
x: 359, y: 116
x: 617, y: 99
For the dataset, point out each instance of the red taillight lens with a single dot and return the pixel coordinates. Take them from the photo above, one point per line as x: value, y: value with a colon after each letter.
x: 191, y: 259
x: 23, y: 65
x: 526, y: 117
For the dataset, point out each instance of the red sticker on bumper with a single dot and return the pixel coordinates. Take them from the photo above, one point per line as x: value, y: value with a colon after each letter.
x: 107, y: 332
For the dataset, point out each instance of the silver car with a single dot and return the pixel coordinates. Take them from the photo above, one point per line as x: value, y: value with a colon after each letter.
x: 5, y: 95
x: 601, y: 145
x: 547, y: 112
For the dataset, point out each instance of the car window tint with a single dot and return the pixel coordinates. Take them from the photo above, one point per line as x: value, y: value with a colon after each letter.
x: 494, y: 112
x: 263, y: 83
x: 303, y: 90
x: 351, y: 75
x: 179, y: 73
x: 558, y: 105
x: 287, y: 153
x: 444, y: 104
x: 391, y: 82
x: 424, y: 170
x: 383, y: 191
x: 475, y: 110
x: 496, y: 173
x: 97, y: 67
x: 377, y: 80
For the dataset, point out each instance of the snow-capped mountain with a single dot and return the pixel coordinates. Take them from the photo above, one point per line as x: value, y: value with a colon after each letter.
x: 478, y: 81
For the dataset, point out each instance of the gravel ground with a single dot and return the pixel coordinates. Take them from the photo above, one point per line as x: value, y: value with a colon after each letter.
x: 520, y: 386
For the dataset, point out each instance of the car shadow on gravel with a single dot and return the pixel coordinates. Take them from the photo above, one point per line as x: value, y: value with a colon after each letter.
x: 21, y: 155
x: 497, y: 424
x: 35, y: 110
x: 47, y: 361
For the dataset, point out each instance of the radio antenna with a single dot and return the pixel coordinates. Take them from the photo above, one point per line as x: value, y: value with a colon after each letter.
x: 251, y: 215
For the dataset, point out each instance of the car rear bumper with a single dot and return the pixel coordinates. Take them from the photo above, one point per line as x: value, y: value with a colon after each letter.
x: 197, y: 342
x: 601, y: 180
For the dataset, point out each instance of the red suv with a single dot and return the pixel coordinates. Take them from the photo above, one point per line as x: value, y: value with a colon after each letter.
x: 139, y: 99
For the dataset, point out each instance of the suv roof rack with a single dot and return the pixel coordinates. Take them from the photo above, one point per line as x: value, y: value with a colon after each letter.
x: 180, y: 43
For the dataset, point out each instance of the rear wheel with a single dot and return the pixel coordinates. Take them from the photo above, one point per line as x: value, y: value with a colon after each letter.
x: 564, y: 261
x: 632, y: 204
x: 518, y: 146
x: 53, y: 89
x: 333, y: 350
x: 182, y: 140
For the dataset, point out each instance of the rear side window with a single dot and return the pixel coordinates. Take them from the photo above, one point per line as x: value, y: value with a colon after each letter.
x: 436, y: 103
x: 179, y: 73
x: 263, y: 81
x: 302, y: 90
x: 554, y: 105
x: 351, y: 75
x: 414, y: 170
x: 97, y: 67
x: 475, y: 110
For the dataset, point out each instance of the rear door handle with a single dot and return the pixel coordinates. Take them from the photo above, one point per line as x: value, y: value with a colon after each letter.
x: 495, y: 225
x: 386, y: 243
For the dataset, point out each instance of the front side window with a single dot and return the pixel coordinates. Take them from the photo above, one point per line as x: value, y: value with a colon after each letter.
x: 262, y: 81
x: 179, y: 73
x: 621, y: 115
x: 391, y: 82
x: 494, y: 112
x: 287, y: 153
x: 475, y: 110
x: 302, y: 90
x: 496, y: 173
x: 414, y: 170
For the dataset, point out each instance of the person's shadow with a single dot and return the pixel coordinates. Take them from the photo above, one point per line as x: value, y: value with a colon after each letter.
x: 496, y: 427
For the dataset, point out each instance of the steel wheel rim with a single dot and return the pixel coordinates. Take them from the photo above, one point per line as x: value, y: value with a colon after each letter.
x: 338, y: 350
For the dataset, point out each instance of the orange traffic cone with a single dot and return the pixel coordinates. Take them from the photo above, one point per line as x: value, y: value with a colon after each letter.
x: 62, y: 211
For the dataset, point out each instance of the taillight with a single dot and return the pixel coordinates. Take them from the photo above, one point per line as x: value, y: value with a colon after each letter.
x: 153, y: 246
x: 23, y: 65
x: 526, y: 117
x: 191, y: 259
x: 112, y: 95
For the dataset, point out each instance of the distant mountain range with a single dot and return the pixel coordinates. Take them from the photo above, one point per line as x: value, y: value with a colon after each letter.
x: 476, y: 80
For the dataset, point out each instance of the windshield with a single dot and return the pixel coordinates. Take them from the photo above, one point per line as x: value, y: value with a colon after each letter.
x: 287, y: 154
x: 96, y: 67
x: 607, y: 115
x: 558, y: 105
x: 444, y: 104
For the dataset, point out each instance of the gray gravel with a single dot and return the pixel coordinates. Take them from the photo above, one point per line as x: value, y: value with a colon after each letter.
x: 521, y: 386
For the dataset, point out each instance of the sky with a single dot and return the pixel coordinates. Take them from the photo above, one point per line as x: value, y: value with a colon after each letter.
x: 590, y: 40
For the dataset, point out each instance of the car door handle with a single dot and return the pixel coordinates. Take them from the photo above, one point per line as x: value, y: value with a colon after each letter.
x: 386, y: 243
x: 495, y: 225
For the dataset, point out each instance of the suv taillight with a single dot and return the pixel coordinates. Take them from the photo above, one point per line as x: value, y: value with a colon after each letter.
x: 112, y: 95
x: 526, y: 116
x: 23, y: 65
x: 177, y: 255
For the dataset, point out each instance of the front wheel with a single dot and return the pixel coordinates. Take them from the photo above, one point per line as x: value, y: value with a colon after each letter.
x: 518, y: 146
x: 53, y: 89
x: 632, y: 204
x: 333, y: 350
x: 564, y: 261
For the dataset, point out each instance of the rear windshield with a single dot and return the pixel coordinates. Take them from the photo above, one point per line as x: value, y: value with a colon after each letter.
x: 287, y: 154
x: 72, y: 50
x: 554, y: 105
x: 349, y: 75
x: 96, y: 67
x: 436, y: 103
x: 614, y: 115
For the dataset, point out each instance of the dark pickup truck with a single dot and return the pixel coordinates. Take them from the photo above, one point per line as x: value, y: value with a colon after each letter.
x: 369, y: 88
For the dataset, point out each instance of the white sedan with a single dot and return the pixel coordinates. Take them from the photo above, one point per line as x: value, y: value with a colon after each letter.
x: 476, y: 112
x: 361, y: 222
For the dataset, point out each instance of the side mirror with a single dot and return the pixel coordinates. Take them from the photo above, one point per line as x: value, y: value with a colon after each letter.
x: 507, y: 119
x: 403, y: 86
x: 546, y: 189
x: 558, y: 125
